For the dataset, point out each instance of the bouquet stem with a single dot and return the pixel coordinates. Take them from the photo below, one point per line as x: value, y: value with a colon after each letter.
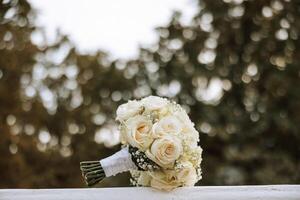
x: 95, y: 171
x: 92, y: 171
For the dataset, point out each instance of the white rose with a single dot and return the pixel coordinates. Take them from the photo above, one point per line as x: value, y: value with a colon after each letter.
x: 138, y: 132
x: 127, y: 110
x: 165, y: 150
x: 190, y: 134
x: 187, y: 175
x: 154, y: 103
x: 170, y: 179
x: 164, y: 180
x: 167, y: 125
x: 184, y: 118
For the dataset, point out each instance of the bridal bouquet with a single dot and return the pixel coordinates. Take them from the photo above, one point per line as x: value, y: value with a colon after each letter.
x: 160, y: 146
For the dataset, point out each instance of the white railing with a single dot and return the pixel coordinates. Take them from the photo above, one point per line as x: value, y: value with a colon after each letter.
x: 265, y: 192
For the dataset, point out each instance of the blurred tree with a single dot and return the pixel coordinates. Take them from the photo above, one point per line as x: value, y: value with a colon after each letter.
x: 53, y: 101
x: 16, y: 57
x: 234, y: 68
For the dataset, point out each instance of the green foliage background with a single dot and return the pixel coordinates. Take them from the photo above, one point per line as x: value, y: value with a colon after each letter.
x: 249, y: 133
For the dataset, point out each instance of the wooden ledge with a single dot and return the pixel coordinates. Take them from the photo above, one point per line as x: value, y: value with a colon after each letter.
x: 263, y: 192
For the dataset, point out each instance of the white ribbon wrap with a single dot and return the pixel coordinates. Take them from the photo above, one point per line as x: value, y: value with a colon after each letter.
x: 117, y: 163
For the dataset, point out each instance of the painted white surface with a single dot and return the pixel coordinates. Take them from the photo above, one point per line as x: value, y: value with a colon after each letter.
x: 265, y: 192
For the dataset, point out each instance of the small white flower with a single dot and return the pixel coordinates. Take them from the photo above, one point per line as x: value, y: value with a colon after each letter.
x: 144, y: 179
